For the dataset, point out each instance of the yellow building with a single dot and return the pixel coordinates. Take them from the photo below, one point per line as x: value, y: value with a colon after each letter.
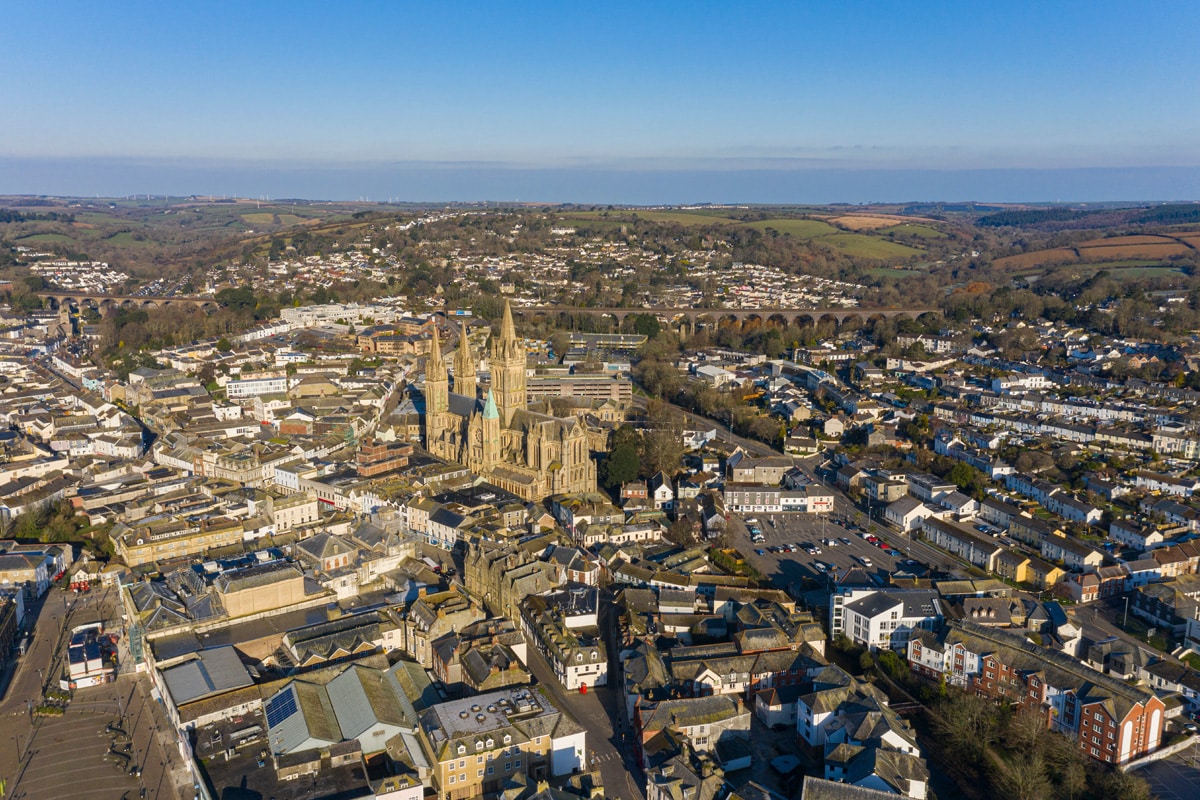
x: 261, y: 588
x: 476, y: 743
x: 167, y: 539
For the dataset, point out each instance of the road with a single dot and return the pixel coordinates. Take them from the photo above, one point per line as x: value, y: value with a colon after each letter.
x: 594, y: 711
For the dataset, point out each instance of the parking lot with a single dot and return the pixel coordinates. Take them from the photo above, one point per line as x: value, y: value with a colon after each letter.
x: 1175, y: 777
x: 837, y: 546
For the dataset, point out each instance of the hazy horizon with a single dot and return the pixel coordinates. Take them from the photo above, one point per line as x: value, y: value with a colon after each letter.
x: 726, y: 183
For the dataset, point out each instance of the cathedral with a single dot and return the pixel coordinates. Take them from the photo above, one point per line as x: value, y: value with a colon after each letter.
x: 529, y: 453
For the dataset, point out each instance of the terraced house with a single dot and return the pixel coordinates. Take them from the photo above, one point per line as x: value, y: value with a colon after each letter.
x: 1109, y: 719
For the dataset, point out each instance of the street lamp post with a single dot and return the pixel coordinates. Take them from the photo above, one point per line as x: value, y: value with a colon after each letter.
x: 1125, y: 623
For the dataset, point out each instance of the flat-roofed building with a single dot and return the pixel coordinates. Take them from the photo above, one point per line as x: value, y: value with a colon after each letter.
x: 475, y: 744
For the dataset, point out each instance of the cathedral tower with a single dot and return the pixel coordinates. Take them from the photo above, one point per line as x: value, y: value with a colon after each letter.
x: 491, y: 432
x: 465, y: 374
x: 437, y: 397
x: 508, y: 369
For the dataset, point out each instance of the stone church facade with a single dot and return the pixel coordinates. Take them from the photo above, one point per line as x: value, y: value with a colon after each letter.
x: 529, y: 453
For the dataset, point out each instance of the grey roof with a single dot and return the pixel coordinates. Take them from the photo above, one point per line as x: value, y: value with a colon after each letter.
x: 460, y: 405
x: 817, y: 789
x: 362, y: 698
x: 212, y: 672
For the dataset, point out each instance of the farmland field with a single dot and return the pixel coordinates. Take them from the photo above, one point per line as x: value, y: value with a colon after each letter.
x: 55, y: 238
x: 856, y: 244
x: 866, y: 222
x: 622, y: 217
x: 1159, y: 249
x: 892, y: 272
x: 261, y: 218
x: 918, y: 231
x: 1119, y: 241
x: 1058, y: 255
x: 799, y: 228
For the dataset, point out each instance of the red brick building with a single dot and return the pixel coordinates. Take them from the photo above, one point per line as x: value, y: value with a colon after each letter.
x: 1109, y: 719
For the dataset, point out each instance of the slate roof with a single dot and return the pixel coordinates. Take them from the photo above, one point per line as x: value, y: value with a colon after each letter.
x: 211, y: 672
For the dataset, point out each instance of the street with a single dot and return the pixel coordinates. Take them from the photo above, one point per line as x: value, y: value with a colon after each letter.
x: 594, y: 711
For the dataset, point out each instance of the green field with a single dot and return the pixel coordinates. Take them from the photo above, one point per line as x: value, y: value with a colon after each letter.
x: 861, y: 246
x: 124, y: 238
x: 260, y: 218
x: 891, y: 272
x: 918, y: 231
x: 1117, y: 270
x: 625, y: 216
x: 55, y: 238
x: 290, y: 219
x: 799, y: 228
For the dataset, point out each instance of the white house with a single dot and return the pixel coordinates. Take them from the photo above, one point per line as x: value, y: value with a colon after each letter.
x: 908, y: 512
x: 887, y: 618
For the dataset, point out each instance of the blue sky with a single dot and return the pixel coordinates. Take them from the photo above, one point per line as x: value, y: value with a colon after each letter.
x: 480, y: 99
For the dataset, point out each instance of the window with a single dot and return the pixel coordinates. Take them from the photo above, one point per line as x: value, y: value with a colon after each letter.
x: 480, y: 772
x: 490, y: 769
x: 507, y: 765
x: 479, y: 745
x: 452, y: 779
x: 507, y: 738
x: 517, y: 763
x: 462, y: 765
x: 462, y: 748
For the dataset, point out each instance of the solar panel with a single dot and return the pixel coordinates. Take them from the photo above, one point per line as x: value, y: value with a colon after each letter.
x: 281, y: 707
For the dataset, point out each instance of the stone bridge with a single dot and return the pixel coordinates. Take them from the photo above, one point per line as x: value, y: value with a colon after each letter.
x: 781, y: 316
x: 101, y: 301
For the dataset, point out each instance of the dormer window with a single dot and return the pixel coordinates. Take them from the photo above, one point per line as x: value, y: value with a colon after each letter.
x: 490, y: 743
x: 462, y: 748
x: 478, y: 746
x: 507, y: 738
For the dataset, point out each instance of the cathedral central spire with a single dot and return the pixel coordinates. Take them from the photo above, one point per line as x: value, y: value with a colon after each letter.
x: 508, y: 368
x: 464, y: 365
